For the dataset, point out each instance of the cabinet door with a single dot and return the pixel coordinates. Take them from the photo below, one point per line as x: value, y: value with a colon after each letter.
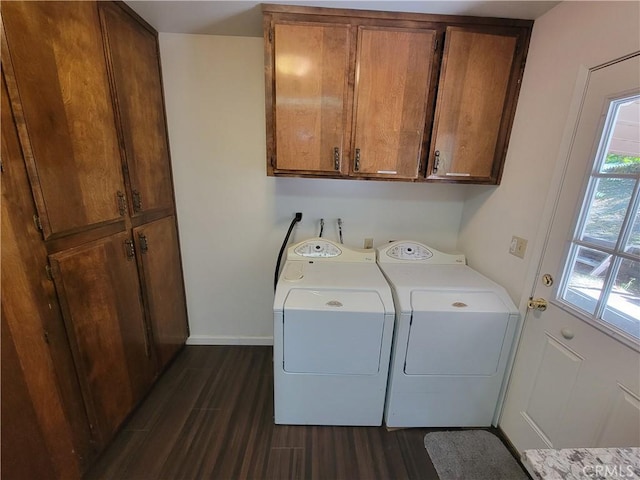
x: 99, y: 292
x: 311, y: 71
x: 393, y: 80
x: 45, y: 430
x: 70, y: 138
x: 135, y: 69
x: 164, y: 290
x: 472, y: 119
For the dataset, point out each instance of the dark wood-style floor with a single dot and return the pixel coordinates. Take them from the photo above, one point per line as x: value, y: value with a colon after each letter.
x: 211, y: 416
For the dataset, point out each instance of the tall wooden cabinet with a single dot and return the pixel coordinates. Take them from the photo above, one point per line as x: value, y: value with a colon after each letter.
x: 93, y: 302
x: 391, y: 96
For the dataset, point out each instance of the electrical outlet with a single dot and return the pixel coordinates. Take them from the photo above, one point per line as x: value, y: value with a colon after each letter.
x: 518, y: 246
x: 368, y: 243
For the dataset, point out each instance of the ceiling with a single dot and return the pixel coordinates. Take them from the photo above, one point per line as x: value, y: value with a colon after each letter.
x: 244, y: 18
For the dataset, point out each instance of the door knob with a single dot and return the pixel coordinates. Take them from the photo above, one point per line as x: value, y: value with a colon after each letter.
x: 539, y: 304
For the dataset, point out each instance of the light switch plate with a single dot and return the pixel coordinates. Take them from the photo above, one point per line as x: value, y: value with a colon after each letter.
x: 518, y: 246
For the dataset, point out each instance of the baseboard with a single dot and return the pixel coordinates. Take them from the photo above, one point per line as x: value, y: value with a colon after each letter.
x: 228, y: 340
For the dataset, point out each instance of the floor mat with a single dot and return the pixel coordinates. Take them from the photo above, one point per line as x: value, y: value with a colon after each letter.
x: 471, y: 455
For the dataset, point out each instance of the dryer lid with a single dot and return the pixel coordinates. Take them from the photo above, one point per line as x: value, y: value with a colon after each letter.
x: 456, y: 301
x: 334, y: 300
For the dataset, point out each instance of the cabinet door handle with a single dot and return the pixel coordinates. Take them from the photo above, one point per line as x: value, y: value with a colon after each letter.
x: 142, y: 240
x: 336, y: 158
x: 436, y: 162
x: 356, y: 167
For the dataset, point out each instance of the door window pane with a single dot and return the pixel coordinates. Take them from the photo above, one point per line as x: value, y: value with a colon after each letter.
x: 623, y: 305
x: 607, y: 211
x: 586, y: 278
x: 601, y: 278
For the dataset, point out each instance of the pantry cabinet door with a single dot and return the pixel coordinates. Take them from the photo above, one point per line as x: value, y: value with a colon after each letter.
x: 311, y: 72
x: 98, y: 288
x: 163, y: 287
x: 394, y: 67
x: 45, y: 430
x: 476, y: 99
x: 60, y: 91
x: 135, y: 70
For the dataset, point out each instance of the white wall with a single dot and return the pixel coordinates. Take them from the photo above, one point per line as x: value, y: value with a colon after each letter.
x: 232, y: 217
x: 570, y: 36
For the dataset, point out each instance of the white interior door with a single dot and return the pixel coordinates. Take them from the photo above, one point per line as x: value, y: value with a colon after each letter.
x: 576, y: 375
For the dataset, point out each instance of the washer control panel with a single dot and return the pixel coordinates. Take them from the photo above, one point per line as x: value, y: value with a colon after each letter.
x: 318, y: 249
x: 409, y: 251
x: 323, y: 250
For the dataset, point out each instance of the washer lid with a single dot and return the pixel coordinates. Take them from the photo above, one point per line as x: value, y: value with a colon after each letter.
x: 456, y: 301
x: 334, y: 300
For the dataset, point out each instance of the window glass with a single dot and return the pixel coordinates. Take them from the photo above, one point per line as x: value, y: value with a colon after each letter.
x: 601, y: 278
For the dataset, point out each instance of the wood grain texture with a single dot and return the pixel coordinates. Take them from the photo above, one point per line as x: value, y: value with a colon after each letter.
x: 311, y: 96
x: 394, y: 72
x: 24, y: 448
x: 163, y: 288
x: 211, y: 416
x: 472, y: 98
x: 375, y: 16
x: 136, y: 79
x: 63, y: 90
x: 100, y: 298
x: 42, y: 387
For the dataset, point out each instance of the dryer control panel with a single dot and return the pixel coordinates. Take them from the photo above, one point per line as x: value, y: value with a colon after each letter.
x: 413, y: 252
x: 409, y: 251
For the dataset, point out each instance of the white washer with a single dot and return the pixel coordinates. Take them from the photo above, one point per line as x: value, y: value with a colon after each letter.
x: 453, y: 337
x: 333, y: 324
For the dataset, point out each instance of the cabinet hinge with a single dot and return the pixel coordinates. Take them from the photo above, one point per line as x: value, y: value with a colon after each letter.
x: 435, y: 45
x: 129, y: 249
x: 45, y: 335
x: 49, y: 272
x: 271, y: 35
x: 273, y: 162
x: 137, y: 201
x: 521, y: 74
x: 122, y: 203
x: 37, y: 222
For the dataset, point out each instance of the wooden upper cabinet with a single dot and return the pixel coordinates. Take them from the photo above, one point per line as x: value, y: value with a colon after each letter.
x: 58, y: 82
x: 159, y: 255
x: 392, y: 88
x: 476, y: 99
x: 135, y: 70
x: 390, y: 96
x: 99, y: 292
x: 311, y: 96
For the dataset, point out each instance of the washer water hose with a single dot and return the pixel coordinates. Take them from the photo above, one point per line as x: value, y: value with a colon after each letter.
x: 295, y: 220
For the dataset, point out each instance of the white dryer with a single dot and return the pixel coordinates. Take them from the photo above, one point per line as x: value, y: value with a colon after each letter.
x: 453, y: 337
x: 333, y: 324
